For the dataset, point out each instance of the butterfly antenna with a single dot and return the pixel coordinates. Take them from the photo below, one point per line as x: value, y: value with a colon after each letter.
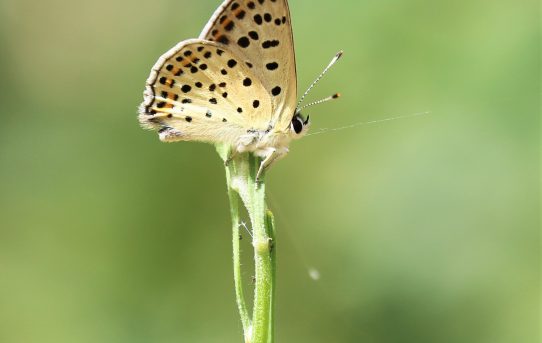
x: 331, y: 97
x: 333, y: 61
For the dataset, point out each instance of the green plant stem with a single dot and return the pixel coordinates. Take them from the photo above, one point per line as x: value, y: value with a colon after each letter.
x: 241, y: 179
x: 262, y: 258
x: 237, y: 276
x: 270, y: 223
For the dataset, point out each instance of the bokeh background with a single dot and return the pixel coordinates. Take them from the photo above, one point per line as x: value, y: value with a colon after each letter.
x: 423, y: 229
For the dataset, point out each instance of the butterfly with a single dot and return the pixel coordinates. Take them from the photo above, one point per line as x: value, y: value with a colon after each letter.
x: 236, y: 84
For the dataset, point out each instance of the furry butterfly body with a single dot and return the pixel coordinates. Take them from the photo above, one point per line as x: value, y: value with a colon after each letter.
x: 236, y: 84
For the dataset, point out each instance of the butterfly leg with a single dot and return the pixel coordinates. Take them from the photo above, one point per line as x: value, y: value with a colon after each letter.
x: 232, y: 155
x: 272, y: 155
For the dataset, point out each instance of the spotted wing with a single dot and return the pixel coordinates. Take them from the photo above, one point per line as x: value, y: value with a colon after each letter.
x: 200, y: 91
x: 260, y: 32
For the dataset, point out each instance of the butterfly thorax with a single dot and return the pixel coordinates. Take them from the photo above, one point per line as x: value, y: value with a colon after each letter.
x: 261, y: 141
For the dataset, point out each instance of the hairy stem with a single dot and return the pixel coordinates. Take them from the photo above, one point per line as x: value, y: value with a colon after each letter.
x: 237, y: 276
x: 270, y: 223
x: 262, y: 257
x: 241, y: 179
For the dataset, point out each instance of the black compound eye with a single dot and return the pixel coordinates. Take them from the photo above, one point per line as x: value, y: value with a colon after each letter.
x: 297, y: 124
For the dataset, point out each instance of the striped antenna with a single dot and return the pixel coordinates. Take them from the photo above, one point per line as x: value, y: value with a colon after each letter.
x: 331, y: 97
x: 333, y: 61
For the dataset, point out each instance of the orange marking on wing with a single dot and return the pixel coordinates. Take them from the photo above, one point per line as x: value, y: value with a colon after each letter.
x: 190, y: 61
x: 175, y: 71
x: 237, y: 11
x: 226, y: 22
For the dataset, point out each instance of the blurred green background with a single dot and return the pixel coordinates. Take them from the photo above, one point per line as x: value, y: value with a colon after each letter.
x: 423, y: 229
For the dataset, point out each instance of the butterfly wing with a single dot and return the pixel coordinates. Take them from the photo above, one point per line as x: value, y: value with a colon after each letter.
x: 260, y: 32
x: 199, y: 90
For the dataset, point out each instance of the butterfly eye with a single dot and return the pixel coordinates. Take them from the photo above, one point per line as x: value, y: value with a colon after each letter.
x: 297, y: 124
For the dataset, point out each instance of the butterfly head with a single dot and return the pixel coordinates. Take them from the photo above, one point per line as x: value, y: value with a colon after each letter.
x: 299, y: 126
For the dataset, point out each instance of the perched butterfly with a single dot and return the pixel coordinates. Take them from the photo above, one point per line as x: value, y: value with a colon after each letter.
x: 236, y: 84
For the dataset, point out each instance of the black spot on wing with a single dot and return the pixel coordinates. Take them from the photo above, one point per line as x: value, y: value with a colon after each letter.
x: 243, y: 42
x: 232, y: 63
x: 272, y: 65
x: 276, y: 91
x: 240, y: 15
x: 270, y: 44
x: 229, y: 26
x: 258, y: 19
x: 223, y: 39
